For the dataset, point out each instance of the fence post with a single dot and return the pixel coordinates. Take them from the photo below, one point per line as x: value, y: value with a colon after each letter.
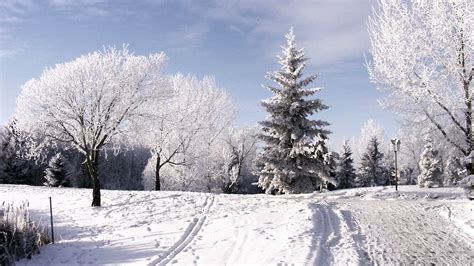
x: 51, y: 215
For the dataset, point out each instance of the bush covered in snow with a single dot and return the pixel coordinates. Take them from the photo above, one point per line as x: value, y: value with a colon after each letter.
x: 19, y: 236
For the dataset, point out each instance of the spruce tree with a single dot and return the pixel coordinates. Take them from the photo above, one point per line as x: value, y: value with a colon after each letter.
x: 13, y: 168
x: 345, y: 171
x: 56, y: 173
x: 430, y: 167
x: 453, y: 170
x: 372, y: 171
x: 288, y: 161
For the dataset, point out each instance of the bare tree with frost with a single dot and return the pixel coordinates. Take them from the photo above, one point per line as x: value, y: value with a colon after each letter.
x: 236, y: 151
x: 183, y: 128
x: 288, y: 163
x: 90, y: 101
x: 422, y: 52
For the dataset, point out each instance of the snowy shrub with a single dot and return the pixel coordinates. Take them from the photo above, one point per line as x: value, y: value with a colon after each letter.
x: 19, y: 236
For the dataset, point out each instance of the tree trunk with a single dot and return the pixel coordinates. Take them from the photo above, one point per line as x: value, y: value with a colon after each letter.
x: 157, y: 173
x: 92, y: 165
x: 469, y: 136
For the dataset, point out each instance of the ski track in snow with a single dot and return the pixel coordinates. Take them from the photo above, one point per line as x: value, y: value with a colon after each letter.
x: 347, y: 227
x: 336, y: 237
x: 191, y: 232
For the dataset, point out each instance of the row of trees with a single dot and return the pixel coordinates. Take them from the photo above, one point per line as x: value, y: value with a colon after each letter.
x: 112, y: 106
x: 422, y: 54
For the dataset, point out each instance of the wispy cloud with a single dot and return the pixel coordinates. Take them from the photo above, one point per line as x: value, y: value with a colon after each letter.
x: 12, y: 14
x: 330, y: 30
x: 187, y: 38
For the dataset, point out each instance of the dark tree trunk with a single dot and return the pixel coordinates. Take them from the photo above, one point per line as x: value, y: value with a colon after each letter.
x: 469, y: 135
x: 92, y: 165
x: 157, y: 173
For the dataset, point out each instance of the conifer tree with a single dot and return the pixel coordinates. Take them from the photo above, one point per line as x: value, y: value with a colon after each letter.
x: 345, y: 171
x: 56, y: 173
x: 372, y: 171
x: 430, y: 166
x: 288, y: 161
x: 13, y: 168
x: 453, y: 170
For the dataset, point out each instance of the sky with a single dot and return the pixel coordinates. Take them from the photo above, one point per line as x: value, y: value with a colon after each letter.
x: 234, y: 41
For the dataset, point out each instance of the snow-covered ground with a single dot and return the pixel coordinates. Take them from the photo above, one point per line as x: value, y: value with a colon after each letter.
x: 355, y: 226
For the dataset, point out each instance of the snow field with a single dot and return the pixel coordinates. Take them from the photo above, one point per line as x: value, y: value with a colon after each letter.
x: 346, y: 227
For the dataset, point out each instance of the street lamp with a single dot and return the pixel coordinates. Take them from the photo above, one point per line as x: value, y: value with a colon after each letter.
x: 396, y: 148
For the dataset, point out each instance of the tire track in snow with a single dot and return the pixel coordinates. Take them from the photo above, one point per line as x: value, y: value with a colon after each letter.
x: 188, y: 236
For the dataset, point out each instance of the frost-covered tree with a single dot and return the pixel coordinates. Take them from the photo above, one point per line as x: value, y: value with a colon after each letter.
x: 422, y: 52
x: 15, y: 168
x: 431, y: 167
x: 345, y: 172
x: 184, y: 127
x: 453, y: 170
x: 371, y: 128
x: 90, y: 101
x: 372, y: 171
x: 238, y: 149
x: 56, y: 174
x: 287, y: 163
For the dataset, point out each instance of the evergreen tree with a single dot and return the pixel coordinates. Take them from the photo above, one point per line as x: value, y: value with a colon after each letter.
x: 288, y: 163
x: 56, y: 173
x: 430, y: 166
x: 372, y: 171
x: 13, y: 168
x: 345, y: 171
x: 453, y: 171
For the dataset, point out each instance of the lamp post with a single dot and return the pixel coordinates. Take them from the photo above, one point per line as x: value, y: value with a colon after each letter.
x: 396, y: 148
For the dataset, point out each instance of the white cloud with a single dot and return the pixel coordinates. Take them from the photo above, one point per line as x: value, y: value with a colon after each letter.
x: 184, y: 38
x: 330, y: 30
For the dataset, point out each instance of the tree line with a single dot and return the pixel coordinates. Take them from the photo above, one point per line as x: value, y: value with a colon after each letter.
x: 114, y: 119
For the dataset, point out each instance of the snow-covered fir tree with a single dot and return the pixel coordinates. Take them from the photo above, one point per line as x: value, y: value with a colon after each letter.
x: 430, y: 167
x: 345, y: 171
x: 56, y: 173
x: 372, y: 171
x: 288, y: 163
x: 454, y: 171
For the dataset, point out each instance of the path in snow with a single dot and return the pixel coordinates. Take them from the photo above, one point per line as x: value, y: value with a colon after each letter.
x: 357, y: 226
x: 411, y: 232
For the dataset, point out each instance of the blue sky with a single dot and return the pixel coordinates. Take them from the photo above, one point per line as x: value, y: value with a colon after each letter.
x: 236, y: 41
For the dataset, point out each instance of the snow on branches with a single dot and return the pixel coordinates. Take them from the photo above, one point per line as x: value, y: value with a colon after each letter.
x: 422, y: 52
x: 90, y: 101
x: 288, y: 162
